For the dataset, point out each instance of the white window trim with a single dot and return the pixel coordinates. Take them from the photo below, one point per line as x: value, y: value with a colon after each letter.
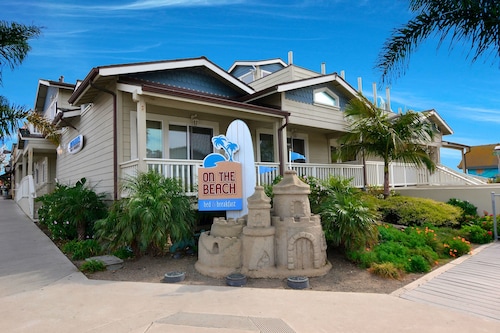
x: 264, y: 73
x: 166, y: 122
x: 86, y: 108
x: 331, y: 94
x: 243, y: 77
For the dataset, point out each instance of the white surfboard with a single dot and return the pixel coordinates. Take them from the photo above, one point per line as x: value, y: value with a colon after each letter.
x: 238, y: 132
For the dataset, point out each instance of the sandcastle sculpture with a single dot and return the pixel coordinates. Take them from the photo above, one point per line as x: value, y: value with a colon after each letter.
x: 291, y: 242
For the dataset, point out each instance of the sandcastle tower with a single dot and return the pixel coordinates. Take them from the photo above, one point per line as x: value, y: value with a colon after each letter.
x: 219, y: 250
x: 258, y: 236
x: 300, y: 241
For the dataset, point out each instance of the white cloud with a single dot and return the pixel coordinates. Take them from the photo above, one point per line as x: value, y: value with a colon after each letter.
x: 152, y: 4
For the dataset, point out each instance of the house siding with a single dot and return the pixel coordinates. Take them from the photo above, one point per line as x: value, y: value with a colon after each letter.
x: 288, y: 74
x: 192, y: 79
x: 95, y: 161
x: 323, y: 118
x: 319, y: 148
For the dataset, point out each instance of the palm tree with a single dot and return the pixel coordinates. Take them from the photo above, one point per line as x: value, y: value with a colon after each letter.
x: 392, y: 137
x: 14, y: 43
x: 13, y: 50
x: 477, y: 21
x: 10, y: 117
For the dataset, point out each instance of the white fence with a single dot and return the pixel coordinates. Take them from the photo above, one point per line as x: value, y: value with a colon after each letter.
x: 25, y: 195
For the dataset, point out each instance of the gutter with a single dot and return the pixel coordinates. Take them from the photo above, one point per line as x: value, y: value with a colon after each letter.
x: 280, y: 145
x: 115, y: 139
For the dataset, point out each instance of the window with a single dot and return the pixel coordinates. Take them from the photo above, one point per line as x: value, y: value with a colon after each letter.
x: 266, y: 145
x: 189, y: 142
x: 154, y: 139
x: 297, y: 149
x: 326, y: 97
x: 177, y: 140
x: 247, y: 78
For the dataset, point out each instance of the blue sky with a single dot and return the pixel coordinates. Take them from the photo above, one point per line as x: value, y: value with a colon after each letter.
x: 346, y: 35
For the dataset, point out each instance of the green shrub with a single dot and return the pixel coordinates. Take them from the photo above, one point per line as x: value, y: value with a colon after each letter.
x: 418, y: 211
x: 69, y: 212
x: 92, y: 266
x: 347, y: 220
x: 477, y: 235
x: 468, y: 208
x: 417, y: 264
x: 386, y: 270
x: 156, y: 212
x: 79, y: 250
x: 456, y: 247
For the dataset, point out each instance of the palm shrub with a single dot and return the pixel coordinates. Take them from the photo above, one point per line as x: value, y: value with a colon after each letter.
x: 69, y: 212
x: 348, y: 221
x: 155, y: 213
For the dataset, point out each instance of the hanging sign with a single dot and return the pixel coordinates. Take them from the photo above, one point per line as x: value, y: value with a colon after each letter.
x: 75, y: 145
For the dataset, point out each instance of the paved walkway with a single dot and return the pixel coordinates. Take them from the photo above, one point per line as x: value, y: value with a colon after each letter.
x: 41, y: 291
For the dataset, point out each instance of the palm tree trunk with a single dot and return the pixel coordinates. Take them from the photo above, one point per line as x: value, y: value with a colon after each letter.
x: 386, y: 180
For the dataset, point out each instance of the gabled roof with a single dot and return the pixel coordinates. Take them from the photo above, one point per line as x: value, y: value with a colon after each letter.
x: 332, y: 78
x: 256, y: 63
x: 100, y: 76
x: 436, y: 119
x: 481, y: 157
x: 43, y: 87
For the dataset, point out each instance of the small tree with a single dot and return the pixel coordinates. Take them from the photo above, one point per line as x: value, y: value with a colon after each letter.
x: 70, y: 211
x: 155, y: 212
x: 392, y: 137
x: 348, y: 220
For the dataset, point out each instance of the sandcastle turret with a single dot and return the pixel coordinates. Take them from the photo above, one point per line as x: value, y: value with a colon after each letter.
x: 258, y: 235
x: 300, y: 241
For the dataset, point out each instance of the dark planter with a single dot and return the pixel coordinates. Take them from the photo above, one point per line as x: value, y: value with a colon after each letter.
x: 236, y: 280
x: 298, y: 282
x: 173, y: 277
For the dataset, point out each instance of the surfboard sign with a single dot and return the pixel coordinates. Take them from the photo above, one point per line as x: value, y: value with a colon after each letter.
x: 220, y: 178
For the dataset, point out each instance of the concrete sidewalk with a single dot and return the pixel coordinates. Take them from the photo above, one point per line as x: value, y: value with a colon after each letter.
x: 41, y: 291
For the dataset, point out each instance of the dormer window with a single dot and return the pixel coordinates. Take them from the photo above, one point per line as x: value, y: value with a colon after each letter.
x: 325, y: 96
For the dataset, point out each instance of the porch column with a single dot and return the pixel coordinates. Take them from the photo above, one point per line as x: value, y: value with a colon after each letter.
x: 283, y: 153
x: 141, y: 133
x: 30, y: 161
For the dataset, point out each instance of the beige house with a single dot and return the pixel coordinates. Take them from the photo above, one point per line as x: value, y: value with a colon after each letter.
x: 161, y: 115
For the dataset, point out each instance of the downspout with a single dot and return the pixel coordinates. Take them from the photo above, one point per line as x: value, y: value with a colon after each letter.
x: 280, y: 145
x: 115, y: 140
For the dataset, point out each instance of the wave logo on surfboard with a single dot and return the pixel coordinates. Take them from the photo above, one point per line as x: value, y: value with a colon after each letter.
x: 221, y: 142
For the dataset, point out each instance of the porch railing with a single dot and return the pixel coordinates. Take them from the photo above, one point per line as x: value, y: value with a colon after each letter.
x: 400, y: 174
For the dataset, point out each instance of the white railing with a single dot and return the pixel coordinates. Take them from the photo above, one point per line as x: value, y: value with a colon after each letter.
x: 447, y: 176
x: 400, y: 174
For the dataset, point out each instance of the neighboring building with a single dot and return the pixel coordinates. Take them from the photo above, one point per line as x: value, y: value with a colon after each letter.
x: 161, y: 115
x: 482, y: 161
x: 34, y: 158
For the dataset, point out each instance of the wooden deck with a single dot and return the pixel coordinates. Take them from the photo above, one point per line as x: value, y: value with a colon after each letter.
x: 471, y: 285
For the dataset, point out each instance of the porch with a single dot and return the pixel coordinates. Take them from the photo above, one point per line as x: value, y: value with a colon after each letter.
x: 401, y: 175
